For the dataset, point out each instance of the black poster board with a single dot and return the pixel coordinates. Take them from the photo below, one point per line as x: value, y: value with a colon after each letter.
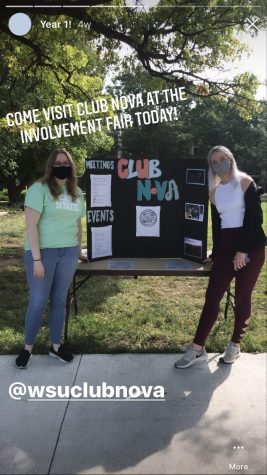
x: 168, y: 198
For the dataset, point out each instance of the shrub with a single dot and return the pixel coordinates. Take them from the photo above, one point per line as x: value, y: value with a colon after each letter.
x: 3, y: 197
x: 22, y: 195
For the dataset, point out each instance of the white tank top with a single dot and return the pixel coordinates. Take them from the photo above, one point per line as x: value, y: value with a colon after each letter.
x: 230, y: 203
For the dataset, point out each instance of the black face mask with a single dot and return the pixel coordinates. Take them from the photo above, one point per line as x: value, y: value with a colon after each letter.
x: 62, y: 172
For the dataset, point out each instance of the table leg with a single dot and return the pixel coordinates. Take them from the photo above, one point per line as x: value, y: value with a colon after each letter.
x: 74, y: 296
x: 67, y: 318
x: 228, y: 301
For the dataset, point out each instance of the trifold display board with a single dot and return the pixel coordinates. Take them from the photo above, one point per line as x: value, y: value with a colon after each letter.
x: 146, y: 208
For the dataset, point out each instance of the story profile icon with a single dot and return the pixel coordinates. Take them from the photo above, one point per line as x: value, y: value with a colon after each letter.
x: 20, y: 24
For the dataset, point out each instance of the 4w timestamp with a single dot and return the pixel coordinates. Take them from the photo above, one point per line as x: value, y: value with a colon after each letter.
x: 65, y: 24
x: 84, y: 24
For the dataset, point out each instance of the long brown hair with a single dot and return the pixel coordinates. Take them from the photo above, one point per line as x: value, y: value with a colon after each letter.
x: 49, y: 178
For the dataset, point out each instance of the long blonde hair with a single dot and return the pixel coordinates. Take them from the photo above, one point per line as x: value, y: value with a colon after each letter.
x: 49, y: 178
x: 235, y: 172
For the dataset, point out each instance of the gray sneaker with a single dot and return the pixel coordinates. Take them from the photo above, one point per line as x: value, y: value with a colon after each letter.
x: 231, y: 353
x: 191, y: 357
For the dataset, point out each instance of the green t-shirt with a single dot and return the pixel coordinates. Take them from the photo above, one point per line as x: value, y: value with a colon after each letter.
x: 58, y: 223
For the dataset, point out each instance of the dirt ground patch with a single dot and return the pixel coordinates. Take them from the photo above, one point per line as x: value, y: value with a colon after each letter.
x: 10, y: 261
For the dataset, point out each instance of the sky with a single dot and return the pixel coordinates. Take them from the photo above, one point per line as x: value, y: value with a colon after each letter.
x: 256, y: 61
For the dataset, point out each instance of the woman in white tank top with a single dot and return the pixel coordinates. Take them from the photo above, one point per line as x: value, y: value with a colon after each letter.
x: 238, y: 251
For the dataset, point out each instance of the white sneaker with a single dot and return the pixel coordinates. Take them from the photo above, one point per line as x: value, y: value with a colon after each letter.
x: 191, y: 357
x: 231, y: 353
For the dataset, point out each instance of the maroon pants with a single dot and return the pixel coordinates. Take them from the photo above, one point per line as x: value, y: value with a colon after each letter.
x: 222, y: 273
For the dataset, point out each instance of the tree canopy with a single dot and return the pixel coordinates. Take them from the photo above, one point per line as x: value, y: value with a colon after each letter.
x: 202, y: 123
x: 174, y: 43
x: 27, y: 84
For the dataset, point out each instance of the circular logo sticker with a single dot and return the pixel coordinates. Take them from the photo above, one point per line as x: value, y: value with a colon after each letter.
x: 148, y: 217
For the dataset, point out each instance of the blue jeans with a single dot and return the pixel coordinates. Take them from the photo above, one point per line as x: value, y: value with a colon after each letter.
x: 59, y: 268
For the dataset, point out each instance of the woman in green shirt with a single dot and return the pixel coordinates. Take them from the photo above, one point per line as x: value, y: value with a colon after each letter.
x: 54, y: 206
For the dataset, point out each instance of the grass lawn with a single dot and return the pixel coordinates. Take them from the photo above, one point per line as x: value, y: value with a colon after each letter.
x: 118, y: 314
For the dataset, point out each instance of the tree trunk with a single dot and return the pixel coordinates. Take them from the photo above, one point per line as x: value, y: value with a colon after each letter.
x: 13, y: 189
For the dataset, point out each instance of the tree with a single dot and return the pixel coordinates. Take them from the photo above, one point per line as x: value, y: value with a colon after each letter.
x: 202, y: 123
x: 217, y: 121
x: 26, y: 82
x: 174, y: 44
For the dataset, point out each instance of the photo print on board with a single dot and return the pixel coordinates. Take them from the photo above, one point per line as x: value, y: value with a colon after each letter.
x: 193, y: 247
x: 147, y: 221
x: 195, y: 176
x: 194, y: 212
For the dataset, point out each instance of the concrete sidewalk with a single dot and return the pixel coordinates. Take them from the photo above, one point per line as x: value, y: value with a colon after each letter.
x: 212, y: 419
